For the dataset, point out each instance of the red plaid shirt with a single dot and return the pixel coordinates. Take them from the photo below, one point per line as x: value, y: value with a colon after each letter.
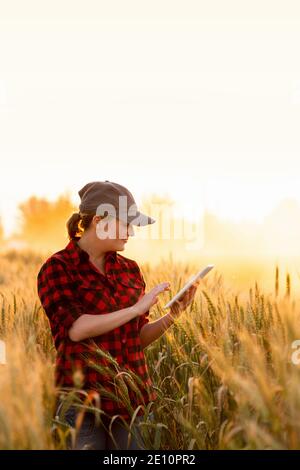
x: 69, y: 285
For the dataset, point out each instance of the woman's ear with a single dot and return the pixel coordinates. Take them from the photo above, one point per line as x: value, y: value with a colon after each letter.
x: 97, y: 218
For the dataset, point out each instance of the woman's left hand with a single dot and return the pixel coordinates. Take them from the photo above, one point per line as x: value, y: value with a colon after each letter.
x: 182, y: 303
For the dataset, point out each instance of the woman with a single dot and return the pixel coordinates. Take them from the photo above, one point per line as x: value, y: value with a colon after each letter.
x: 94, y: 296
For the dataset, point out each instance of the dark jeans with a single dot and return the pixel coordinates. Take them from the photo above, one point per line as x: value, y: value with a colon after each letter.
x: 96, y: 436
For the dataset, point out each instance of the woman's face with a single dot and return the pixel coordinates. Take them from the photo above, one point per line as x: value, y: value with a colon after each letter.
x: 113, y: 232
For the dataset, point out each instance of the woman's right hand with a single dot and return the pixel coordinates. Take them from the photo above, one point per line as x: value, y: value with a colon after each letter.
x: 149, y: 299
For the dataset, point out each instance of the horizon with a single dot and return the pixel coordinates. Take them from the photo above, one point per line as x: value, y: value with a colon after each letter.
x: 202, y: 105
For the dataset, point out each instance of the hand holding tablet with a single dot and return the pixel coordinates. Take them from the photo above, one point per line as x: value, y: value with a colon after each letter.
x: 193, y: 281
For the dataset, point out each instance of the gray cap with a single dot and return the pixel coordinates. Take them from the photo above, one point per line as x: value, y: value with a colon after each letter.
x: 106, y: 197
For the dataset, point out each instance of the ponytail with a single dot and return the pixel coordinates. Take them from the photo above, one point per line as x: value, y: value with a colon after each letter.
x: 72, y: 225
x: 77, y: 223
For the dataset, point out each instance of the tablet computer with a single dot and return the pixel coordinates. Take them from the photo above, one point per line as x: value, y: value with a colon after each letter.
x: 196, y: 277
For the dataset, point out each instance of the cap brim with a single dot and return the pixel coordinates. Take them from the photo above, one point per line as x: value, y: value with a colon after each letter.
x: 141, y: 219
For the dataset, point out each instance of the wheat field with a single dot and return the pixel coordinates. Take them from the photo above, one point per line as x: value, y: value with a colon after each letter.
x: 226, y: 372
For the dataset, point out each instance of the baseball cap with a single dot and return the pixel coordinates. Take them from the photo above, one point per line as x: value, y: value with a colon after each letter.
x: 109, y: 198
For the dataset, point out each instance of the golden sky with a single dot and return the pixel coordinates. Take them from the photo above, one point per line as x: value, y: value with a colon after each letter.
x: 198, y: 100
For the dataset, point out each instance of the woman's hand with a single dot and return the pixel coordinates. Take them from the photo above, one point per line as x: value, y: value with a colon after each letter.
x: 149, y: 299
x: 180, y: 304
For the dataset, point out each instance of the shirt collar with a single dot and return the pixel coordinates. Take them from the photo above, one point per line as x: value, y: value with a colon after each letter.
x: 77, y: 254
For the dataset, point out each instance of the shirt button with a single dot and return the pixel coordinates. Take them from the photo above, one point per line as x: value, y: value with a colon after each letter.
x: 123, y: 340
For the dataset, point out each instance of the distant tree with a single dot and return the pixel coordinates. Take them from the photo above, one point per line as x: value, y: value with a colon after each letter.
x: 155, y: 202
x: 42, y: 223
